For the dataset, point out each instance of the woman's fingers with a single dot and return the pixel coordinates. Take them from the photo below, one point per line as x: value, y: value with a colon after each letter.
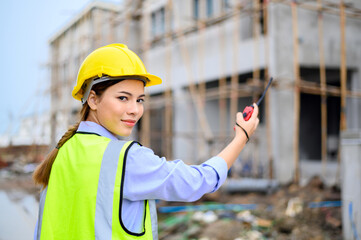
x: 255, y: 111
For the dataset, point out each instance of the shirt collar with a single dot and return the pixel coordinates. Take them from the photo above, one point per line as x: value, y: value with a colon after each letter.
x: 92, y: 127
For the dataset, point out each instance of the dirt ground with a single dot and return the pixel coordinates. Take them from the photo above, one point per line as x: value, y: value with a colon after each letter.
x: 283, y: 214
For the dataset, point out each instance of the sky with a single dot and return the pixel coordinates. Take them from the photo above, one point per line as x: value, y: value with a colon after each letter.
x: 25, y: 28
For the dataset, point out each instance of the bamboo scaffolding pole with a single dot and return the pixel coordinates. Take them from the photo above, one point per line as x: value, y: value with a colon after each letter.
x: 256, y: 42
x: 256, y: 70
x: 168, y: 138
x: 343, y: 77
x: 267, y: 97
x: 323, y: 91
x: 145, y: 131
x: 204, y: 153
x: 201, y: 43
x: 128, y: 18
x: 222, y: 82
x: 315, y: 89
x: 343, y: 73
x: 111, y: 33
x: 68, y: 83
x: 55, y: 93
x: 234, y: 77
x: 97, y: 14
x: 296, y: 113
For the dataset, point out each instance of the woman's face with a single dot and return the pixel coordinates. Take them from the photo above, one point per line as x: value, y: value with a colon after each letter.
x: 119, y: 108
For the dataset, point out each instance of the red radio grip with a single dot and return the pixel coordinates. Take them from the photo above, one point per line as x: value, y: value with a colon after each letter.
x: 247, y: 112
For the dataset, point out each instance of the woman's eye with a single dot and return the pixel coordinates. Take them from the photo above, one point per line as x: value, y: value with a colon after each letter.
x: 140, y: 100
x: 122, y: 98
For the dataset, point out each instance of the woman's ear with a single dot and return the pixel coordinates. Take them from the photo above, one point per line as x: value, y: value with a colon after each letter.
x: 92, y: 100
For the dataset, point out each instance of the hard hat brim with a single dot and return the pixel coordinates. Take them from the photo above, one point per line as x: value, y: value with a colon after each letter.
x: 151, y: 80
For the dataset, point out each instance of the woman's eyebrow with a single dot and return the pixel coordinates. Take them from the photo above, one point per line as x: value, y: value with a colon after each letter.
x: 128, y: 93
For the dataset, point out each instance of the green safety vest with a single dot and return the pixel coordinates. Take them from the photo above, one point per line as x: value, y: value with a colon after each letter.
x: 83, y: 199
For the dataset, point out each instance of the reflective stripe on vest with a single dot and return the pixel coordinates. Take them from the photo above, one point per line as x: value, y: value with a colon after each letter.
x: 41, y: 209
x: 153, y: 218
x: 62, y: 203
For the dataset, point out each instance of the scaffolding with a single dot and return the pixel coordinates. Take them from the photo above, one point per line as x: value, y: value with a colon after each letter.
x: 260, y: 9
x: 231, y: 89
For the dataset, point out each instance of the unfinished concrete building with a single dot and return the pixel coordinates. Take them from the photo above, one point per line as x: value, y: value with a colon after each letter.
x: 215, y: 57
x: 92, y: 28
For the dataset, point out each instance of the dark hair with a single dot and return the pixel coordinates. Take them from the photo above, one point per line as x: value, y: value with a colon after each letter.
x: 42, y: 172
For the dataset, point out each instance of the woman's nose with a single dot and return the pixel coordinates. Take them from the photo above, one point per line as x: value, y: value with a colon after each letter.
x: 133, y: 108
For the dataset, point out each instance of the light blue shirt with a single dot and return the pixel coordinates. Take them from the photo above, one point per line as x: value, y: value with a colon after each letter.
x: 148, y: 176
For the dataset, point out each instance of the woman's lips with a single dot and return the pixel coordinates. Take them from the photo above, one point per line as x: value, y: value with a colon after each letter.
x: 129, y: 122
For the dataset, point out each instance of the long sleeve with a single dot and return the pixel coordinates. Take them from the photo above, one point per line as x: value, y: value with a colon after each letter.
x: 148, y: 176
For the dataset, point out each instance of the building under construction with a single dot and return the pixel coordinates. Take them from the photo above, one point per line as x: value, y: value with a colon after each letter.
x: 215, y: 58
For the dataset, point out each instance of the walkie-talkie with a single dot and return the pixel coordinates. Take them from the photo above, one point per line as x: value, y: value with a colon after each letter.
x: 247, y: 112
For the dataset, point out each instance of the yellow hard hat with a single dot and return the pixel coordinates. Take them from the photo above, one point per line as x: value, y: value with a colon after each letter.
x: 114, y: 61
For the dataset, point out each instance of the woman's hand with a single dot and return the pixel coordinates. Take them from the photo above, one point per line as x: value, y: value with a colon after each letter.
x: 234, y: 148
x: 248, y: 126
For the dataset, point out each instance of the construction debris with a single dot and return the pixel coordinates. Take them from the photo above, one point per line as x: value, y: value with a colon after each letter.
x: 294, y: 207
x: 291, y: 212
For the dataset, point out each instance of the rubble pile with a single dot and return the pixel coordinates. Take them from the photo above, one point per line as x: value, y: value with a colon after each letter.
x: 291, y: 212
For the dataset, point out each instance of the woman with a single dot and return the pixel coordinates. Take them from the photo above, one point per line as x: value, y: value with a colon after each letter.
x: 99, y: 187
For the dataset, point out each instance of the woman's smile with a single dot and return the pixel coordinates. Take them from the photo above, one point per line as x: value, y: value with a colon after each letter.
x: 129, y: 122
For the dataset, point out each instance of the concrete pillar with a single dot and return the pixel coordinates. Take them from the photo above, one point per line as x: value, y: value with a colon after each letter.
x: 350, y: 183
x: 282, y: 97
x: 185, y: 122
x: 353, y: 111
